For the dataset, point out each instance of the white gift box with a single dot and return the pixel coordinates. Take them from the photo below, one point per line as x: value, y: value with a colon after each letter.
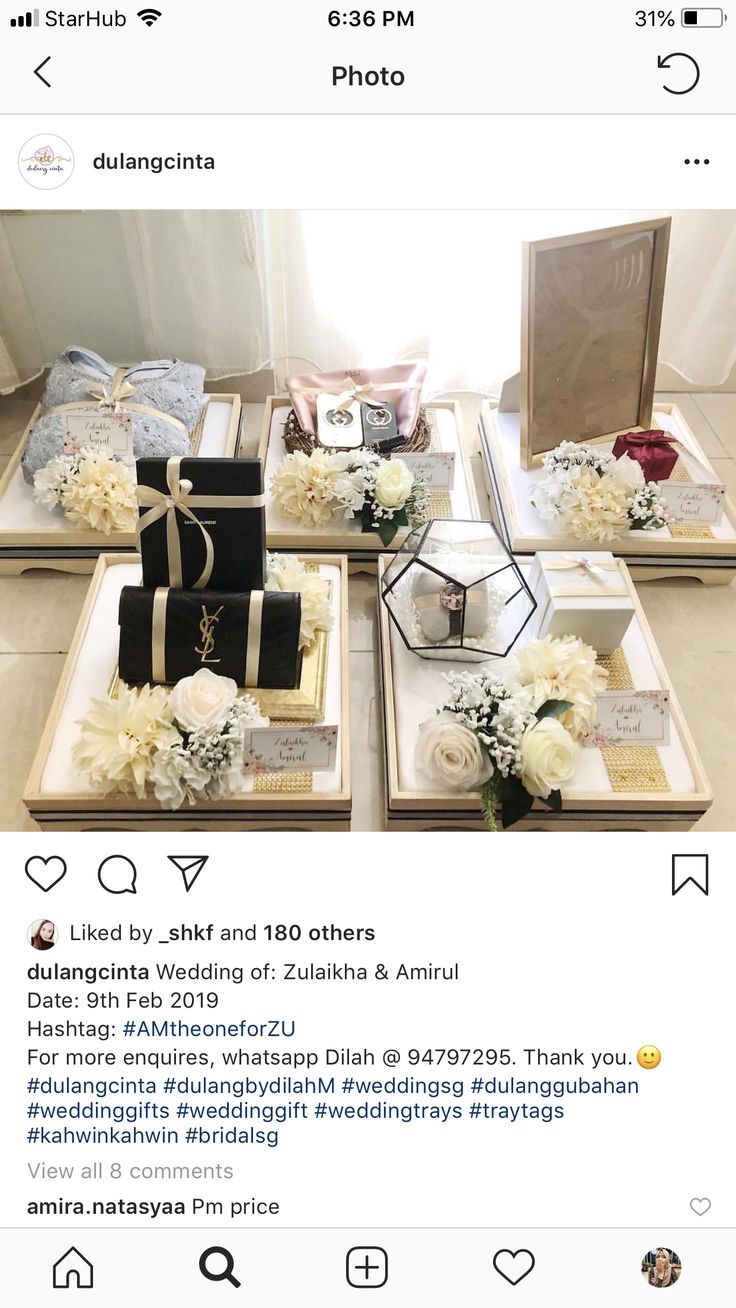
x: 581, y: 595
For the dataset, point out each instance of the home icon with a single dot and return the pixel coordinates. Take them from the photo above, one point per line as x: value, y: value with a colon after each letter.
x: 73, y: 1271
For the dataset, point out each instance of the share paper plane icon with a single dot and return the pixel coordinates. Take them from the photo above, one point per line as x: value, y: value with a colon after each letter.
x: 189, y: 865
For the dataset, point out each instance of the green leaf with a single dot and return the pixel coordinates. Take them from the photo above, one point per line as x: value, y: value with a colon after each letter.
x: 386, y: 528
x: 554, y: 801
x: 516, y: 802
x: 553, y: 708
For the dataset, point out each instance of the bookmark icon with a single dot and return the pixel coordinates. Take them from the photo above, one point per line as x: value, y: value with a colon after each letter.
x: 190, y: 866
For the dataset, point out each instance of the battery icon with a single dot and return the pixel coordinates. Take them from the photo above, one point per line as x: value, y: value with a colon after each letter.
x: 703, y: 18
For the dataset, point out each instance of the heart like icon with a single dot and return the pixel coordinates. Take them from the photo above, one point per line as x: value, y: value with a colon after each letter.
x: 700, y: 1206
x: 45, y: 872
x: 514, y: 1265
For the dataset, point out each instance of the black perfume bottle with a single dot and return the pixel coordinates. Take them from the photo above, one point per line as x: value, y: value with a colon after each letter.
x: 379, y: 422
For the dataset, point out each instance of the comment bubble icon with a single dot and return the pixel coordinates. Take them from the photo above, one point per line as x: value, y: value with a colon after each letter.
x: 117, y: 875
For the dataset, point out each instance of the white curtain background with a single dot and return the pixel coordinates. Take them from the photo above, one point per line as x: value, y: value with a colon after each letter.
x: 21, y: 352
x: 131, y: 285
x: 367, y: 287
x: 241, y: 290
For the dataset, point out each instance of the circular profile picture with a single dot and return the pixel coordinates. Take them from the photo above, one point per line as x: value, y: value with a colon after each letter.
x: 661, y: 1268
x: 42, y: 934
x: 46, y: 161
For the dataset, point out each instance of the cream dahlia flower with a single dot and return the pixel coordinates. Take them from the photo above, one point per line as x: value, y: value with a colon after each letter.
x: 287, y: 573
x: 305, y: 486
x: 120, y: 737
x: 602, y: 508
x: 102, y: 495
x: 562, y: 668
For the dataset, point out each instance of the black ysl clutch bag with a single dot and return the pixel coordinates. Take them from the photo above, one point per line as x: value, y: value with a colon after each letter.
x: 251, y: 636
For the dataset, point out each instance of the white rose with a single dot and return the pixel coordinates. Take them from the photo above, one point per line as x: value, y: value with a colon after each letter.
x: 549, y: 757
x: 202, y: 701
x: 627, y: 474
x: 449, y: 753
x: 393, y: 484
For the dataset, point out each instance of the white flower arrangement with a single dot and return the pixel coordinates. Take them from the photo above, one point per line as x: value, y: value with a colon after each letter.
x: 515, y: 734
x: 186, y: 744
x: 320, y: 487
x: 596, y: 495
x: 284, y: 572
x: 92, y: 488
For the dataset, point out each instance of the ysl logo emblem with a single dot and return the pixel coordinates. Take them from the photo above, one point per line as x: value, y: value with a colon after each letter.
x: 207, y: 630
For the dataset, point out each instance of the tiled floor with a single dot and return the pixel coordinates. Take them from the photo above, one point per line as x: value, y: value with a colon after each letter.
x: 694, y: 625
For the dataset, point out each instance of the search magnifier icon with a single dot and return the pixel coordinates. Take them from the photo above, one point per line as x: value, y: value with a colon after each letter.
x: 218, y: 1273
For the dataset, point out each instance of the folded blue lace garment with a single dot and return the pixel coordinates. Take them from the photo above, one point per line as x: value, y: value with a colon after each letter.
x: 170, y: 386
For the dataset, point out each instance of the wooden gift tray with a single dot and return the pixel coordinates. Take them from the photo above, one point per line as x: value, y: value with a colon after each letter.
x: 362, y: 548
x: 31, y: 537
x: 58, y: 802
x: 650, y: 555
x: 591, y: 804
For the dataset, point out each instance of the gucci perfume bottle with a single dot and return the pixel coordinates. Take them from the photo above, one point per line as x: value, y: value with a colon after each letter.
x: 339, y: 427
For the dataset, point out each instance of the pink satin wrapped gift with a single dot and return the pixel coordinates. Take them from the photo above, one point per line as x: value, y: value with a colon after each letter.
x: 399, y: 384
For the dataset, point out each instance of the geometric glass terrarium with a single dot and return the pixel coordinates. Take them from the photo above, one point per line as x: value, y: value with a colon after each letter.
x: 454, y: 592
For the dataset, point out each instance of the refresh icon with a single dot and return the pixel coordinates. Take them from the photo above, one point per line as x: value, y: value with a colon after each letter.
x: 663, y: 61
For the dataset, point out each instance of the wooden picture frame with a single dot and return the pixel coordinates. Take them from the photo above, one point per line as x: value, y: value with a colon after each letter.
x: 591, y: 318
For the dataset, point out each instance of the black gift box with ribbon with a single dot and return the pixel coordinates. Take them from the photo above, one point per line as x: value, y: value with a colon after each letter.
x: 167, y: 634
x: 202, y: 523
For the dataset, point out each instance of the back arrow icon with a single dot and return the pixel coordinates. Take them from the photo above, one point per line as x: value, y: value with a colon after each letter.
x: 37, y: 71
x: 664, y: 62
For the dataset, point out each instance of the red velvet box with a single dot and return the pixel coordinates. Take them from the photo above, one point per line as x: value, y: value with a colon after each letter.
x: 651, y: 449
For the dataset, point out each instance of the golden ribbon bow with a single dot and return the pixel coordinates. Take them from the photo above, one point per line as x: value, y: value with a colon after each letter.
x: 110, y: 394
x: 351, y: 393
x: 594, y: 571
x: 606, y: 578
x: 178, y: 500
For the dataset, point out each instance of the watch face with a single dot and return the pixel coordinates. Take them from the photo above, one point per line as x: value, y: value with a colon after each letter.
x: 339, y: 418
x: 452, y: 597
x: 378, y: 417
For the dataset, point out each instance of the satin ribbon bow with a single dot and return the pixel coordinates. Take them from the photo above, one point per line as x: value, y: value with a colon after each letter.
x: 351, y: 393
x: 109, y: 395
x: 168, y: 505
x: 586, y: 565
x: 648, y: 439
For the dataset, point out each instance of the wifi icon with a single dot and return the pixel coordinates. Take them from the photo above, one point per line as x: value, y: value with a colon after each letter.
x: 149, y: 16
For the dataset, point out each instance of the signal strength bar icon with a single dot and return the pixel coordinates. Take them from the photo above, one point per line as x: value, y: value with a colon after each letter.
x: 149, y: 16
x: 31, y: 18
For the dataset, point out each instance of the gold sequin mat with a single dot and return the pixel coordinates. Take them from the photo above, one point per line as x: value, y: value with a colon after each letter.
x: 439, y: 504
x: 690, y: 531
x: 630, y: 767
x: 199, y: 429
x: 286, y: 783
x: 687, y: 530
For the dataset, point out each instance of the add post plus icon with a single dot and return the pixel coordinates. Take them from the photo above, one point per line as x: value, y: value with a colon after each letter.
x: 366, y: 1267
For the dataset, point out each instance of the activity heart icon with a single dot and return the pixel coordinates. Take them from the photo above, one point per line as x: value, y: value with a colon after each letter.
x: 700, y: 1206
x: 45, y: 872
x: 514, y: 1265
